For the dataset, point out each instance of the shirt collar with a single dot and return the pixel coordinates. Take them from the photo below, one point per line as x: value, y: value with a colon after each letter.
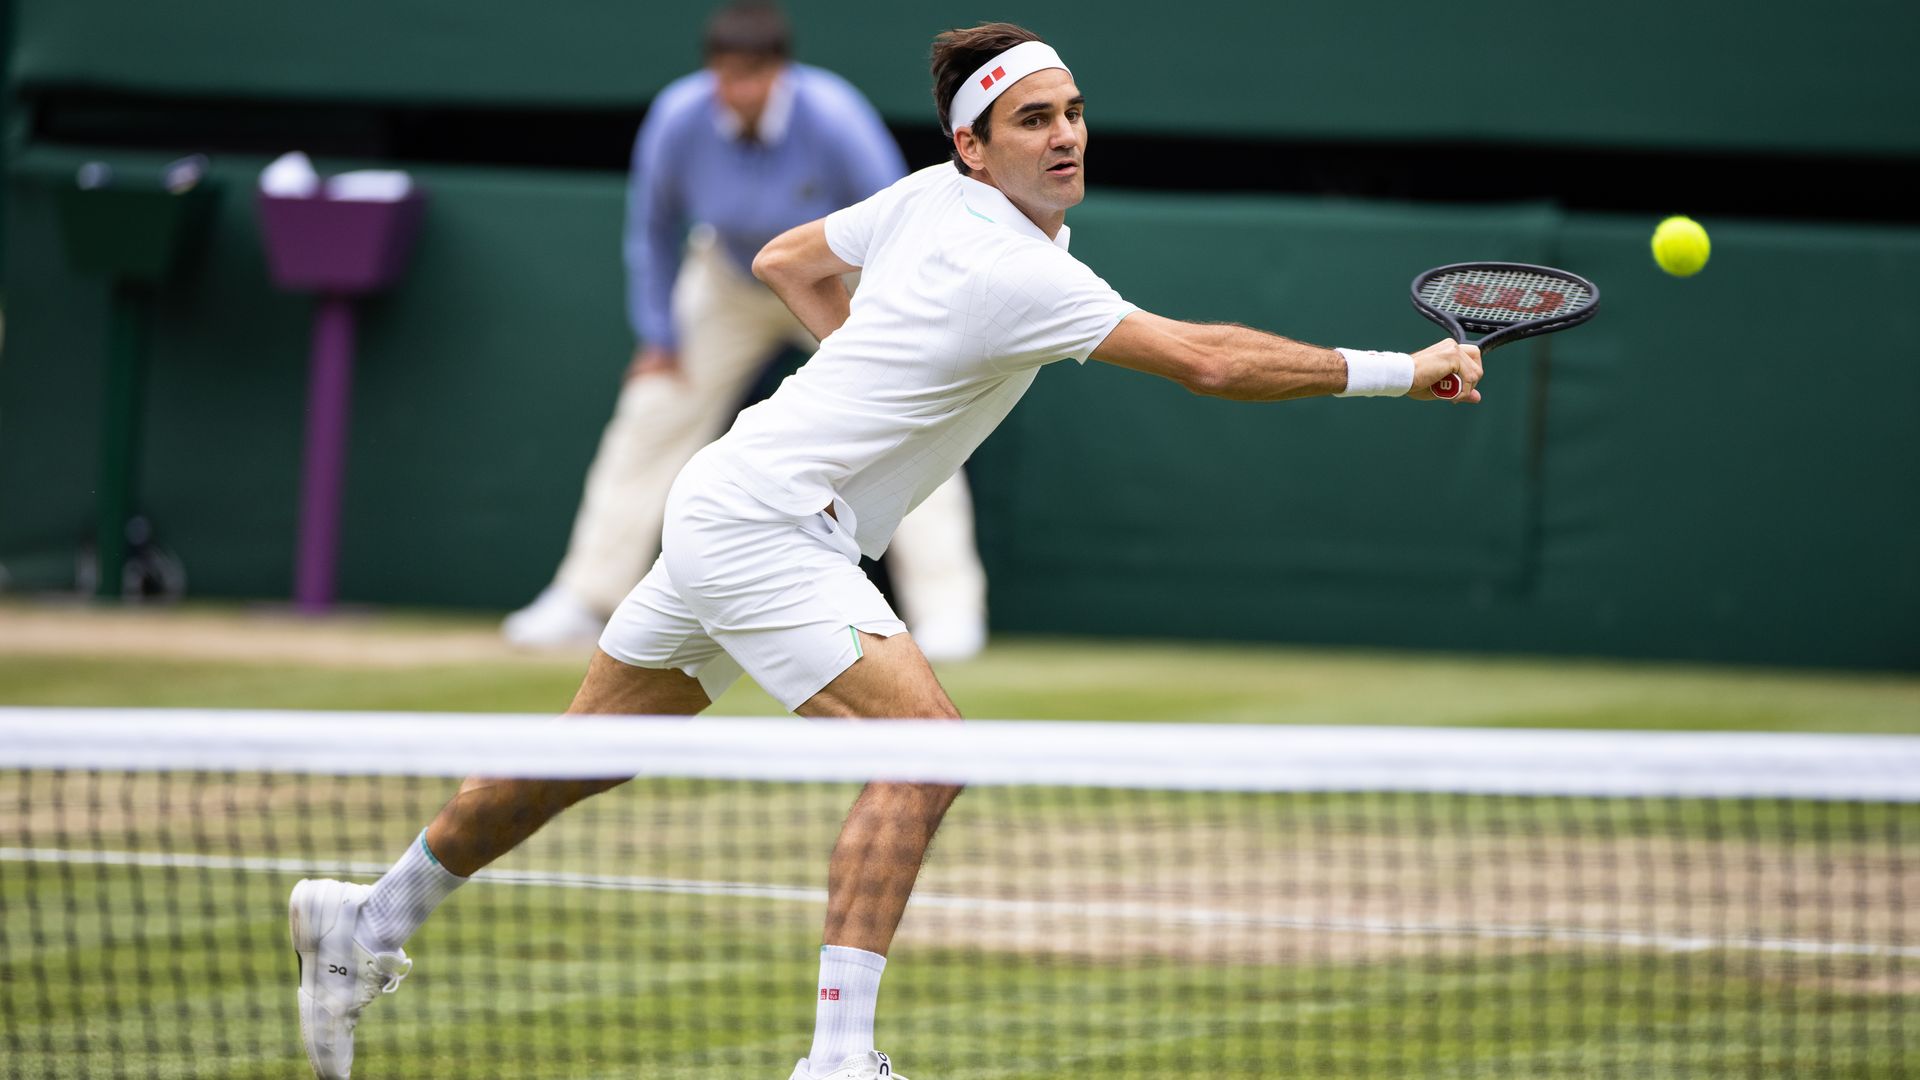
x: 774, y: 119
x: 989, y: 203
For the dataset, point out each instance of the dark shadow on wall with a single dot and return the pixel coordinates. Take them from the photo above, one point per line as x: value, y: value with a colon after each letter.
x: 1754, y: 185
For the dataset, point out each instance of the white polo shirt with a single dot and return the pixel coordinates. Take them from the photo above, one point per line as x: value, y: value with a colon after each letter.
x: 961, y: 300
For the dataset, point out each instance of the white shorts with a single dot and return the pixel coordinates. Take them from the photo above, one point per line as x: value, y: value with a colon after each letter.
x: 740, y: 586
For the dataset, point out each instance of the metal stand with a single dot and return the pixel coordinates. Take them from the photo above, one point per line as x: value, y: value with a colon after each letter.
x: 323, y: 482
x: 129, y: 328
x: 339, y: 251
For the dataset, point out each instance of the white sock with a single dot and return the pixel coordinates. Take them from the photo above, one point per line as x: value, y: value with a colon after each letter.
x: 843, y: 1016
x: 403, y: 898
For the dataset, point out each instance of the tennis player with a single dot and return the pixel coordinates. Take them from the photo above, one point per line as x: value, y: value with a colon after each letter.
x: 968, y: 290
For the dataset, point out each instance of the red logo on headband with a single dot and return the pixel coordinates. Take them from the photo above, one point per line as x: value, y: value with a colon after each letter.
x: 998, y: 74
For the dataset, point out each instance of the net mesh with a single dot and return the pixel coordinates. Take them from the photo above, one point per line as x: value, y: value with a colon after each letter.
x: 1497, y: 298
x: 1716, y: 908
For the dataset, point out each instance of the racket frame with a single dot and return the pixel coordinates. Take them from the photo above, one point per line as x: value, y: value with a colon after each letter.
x: 1495, y: 333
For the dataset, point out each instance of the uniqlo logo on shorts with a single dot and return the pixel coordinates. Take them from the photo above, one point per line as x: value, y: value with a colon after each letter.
x: 831, y: 994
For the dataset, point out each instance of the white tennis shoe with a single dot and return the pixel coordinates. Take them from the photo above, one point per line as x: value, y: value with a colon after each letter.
x: 950, y: 639
x: 871, y: 1065
x: 338, y: 978
x: 555, y: 619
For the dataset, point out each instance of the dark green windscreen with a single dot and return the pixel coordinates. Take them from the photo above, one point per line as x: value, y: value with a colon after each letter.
x: 1699, y: 472
x: 1770, y: 75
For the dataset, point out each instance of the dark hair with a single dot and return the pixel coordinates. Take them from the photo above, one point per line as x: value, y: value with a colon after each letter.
x: 754, y: 27
x: 957, y: 54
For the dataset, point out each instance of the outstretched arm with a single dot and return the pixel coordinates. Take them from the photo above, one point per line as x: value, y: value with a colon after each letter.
x: 1243, y: 364
x: 805, y: 274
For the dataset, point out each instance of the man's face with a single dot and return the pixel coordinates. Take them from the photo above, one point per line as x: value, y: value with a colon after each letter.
x: 745, y: 81
x: 1037, y: 155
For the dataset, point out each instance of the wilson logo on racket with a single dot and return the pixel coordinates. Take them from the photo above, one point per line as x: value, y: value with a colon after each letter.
x: 1509, y: 299
x: 1503, y: 302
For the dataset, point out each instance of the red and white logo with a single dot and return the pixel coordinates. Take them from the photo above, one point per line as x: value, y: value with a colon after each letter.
x: 987, y: 81
x: 830, y: 994
x: 1509, y: 298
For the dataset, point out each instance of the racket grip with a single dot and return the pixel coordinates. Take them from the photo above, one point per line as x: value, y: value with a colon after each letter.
x: 1447, y: 389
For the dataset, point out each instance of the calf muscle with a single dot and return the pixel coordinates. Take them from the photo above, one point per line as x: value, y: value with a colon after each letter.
x: 491, y: 816
x: 886, y: 835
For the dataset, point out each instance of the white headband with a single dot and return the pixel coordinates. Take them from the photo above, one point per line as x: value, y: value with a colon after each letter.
x: 994, y: 76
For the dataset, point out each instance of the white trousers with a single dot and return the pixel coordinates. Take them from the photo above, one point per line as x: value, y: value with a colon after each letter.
x: 730, y: 325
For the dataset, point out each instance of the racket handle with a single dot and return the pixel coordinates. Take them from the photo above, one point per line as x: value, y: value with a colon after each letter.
x: 1447, y: 389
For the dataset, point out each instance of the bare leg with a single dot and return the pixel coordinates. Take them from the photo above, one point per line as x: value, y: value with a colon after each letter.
x: 490, y: 816
x: 886, y: 834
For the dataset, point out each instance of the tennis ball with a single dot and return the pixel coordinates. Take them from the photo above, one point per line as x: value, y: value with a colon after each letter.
x: 1680, y: 246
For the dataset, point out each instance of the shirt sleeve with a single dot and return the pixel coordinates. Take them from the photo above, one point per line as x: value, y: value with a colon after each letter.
x: 1041, y: 304
x: 850, y: 229
x: 655, y: 213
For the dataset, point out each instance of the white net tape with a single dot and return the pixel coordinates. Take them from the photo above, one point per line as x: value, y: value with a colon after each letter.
x: 1226, y: 757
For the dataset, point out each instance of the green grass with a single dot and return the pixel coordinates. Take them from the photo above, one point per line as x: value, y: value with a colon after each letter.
x: 531, y: 983
x: 116, y: 970
x: 229, y: 684
x: 1082, y: 680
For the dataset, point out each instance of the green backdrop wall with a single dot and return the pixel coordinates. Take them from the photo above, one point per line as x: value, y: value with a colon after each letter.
x: 1710, y: 470
x: 9, y: 136
x: 1770, y: 74
x: 1687, y: 476
x: 478, y: 397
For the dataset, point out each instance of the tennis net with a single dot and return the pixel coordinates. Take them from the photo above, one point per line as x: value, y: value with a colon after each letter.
x: 1105, y: 900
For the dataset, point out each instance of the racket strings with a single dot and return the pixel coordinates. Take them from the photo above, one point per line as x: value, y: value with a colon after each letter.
x: 1503, y: 297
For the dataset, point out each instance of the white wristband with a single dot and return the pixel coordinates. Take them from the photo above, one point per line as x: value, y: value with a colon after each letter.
x: 1377, y: 374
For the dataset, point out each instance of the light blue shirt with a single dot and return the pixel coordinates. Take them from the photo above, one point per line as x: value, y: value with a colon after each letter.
x: 824, y: 147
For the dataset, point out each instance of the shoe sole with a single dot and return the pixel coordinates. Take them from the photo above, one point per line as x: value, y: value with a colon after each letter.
x: 307, y: 908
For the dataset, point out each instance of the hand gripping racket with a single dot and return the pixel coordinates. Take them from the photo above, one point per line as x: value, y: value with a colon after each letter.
x: 1502, y: 302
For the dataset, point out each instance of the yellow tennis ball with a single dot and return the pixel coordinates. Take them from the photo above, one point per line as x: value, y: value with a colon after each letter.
x: 1680, y: 246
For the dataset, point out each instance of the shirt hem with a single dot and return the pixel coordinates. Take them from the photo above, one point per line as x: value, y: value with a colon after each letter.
x: 765, y: 490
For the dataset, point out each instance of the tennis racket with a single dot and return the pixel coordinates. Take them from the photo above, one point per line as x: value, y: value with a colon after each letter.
x: 1502, y: 302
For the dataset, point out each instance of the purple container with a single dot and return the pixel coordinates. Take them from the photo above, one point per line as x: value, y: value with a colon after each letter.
x: 336, y: 246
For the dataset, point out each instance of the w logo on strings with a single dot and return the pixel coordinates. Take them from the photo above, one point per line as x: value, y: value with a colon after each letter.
x: 1510, y: 298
